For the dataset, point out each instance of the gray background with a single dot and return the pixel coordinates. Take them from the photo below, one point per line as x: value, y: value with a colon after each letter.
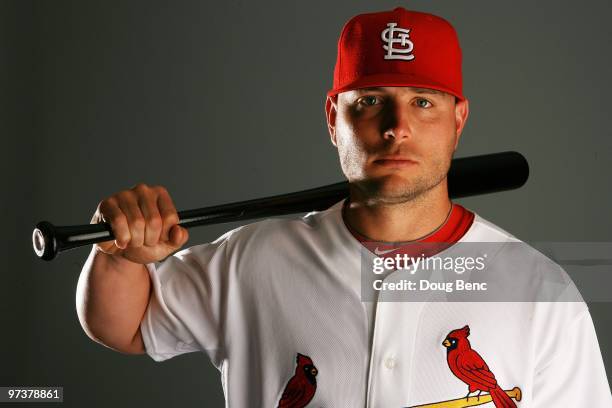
x: 224, y: 102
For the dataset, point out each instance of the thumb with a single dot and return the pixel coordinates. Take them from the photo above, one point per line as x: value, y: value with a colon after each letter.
x: 178, y: 236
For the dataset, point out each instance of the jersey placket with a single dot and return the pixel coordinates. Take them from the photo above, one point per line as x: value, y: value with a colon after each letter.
x: 392, y: 350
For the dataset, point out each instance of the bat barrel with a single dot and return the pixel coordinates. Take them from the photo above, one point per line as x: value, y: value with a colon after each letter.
x: 467, y: 176
x: 489, y: 173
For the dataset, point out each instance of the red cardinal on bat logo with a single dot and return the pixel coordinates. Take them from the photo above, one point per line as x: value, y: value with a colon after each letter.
x: 469, y: 367
x: 302, y: 386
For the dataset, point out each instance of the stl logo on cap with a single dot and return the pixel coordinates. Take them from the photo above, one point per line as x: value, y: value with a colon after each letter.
x: 403, y: 37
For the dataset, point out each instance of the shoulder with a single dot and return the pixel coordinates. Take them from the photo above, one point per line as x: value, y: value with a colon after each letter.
x: 522, y: 265
x: 279, y: 232
x: 487, y: 234
x: 483, y: 230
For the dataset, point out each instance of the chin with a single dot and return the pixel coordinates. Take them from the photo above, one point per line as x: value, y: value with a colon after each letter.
x: 393, y: 183
x: 391, y: 188
x: 399, y: 187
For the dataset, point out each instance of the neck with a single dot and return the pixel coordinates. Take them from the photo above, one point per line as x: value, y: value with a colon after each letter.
x: 398, y: 222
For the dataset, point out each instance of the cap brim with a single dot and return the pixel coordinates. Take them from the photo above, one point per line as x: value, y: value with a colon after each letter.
x: 394, y: 80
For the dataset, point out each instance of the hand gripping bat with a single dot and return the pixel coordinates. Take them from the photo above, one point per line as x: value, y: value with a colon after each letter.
x: 468, y: 176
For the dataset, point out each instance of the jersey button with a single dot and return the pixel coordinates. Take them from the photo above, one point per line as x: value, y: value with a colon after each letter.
x: 390, y: 363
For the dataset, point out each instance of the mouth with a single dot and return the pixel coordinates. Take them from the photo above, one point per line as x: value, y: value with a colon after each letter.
x: 394, y: 162
x: 446, y: 343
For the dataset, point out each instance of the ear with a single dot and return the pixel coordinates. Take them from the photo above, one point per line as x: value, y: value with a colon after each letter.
x: 462, y: 110
x: 331, y: 111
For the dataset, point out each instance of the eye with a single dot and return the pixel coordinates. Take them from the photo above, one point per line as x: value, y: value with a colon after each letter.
x: 423, y: 103
x: 368, y: 100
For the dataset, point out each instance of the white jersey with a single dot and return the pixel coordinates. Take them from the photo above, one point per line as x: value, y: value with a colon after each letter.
x: 277, y: 307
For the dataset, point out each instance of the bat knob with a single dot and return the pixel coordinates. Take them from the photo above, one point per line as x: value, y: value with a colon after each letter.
x: 43, y: 241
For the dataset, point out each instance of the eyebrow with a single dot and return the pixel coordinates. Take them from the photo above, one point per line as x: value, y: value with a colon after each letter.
x: 369, y: 89
x: 427, y: 90
x: 415, y: 89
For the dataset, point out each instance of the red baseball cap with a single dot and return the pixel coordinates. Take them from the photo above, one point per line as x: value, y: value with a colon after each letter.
x: 398, y: 48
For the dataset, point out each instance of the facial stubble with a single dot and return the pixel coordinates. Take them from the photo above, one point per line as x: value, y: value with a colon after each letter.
x: 376, y: 190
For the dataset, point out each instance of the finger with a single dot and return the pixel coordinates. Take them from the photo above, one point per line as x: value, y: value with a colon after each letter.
x: 129, y: 205
x: 167, y: 211
x: 112, y: 214
x: 153, y: 221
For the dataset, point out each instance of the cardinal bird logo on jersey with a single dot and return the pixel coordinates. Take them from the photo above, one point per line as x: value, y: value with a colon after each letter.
x: 468, y: 366
x: 302, y: 386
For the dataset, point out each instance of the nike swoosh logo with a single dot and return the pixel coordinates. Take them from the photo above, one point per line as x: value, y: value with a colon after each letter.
x: 383, y: 252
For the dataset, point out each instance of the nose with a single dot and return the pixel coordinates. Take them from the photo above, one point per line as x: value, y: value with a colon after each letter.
x: 397, y: 123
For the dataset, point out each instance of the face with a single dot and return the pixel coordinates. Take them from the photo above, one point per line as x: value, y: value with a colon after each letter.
x: 395, y: 143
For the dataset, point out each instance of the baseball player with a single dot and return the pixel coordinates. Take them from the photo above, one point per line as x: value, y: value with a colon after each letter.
x: 279, y: 306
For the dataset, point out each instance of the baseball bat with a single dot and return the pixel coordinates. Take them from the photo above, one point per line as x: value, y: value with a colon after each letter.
x: 468, y: 176
x: 514, y: 393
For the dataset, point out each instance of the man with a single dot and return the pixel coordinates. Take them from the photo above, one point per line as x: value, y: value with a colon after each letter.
x: 279, y: 305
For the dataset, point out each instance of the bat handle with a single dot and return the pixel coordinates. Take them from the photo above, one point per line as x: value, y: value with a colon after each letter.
x: 49, y: 240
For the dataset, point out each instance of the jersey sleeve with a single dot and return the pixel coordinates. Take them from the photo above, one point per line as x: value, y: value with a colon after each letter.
x: 575, y: 376
x: 187, y: 302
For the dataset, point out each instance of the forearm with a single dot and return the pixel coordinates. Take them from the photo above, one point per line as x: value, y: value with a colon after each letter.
x: 112, y: 296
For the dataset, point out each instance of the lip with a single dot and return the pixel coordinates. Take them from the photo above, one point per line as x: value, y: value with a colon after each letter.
x: 394, y: 161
